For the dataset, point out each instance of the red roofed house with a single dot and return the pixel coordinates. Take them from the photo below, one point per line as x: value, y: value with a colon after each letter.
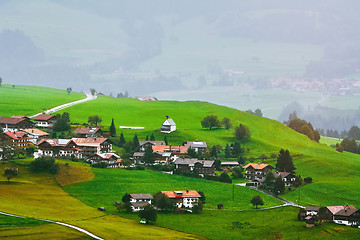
x: 88, y: 132
x: 13, y: 124
x: 144, y: 144
x: 111, y: 159
x: 347, y: 215
x: 44, y: 120
x: 58, y: 148
x: 183, y: 199
x: 93, y: 145
x: 257, y: 171
x: 35, y: 134
x: 18, y: 139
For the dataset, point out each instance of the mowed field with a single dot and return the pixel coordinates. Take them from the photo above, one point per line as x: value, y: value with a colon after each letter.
x: 29, y: 100
x: 338, y: 172
x: 39, y: 195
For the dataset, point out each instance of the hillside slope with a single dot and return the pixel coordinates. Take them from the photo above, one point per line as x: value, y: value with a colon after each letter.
x: 335, y: 174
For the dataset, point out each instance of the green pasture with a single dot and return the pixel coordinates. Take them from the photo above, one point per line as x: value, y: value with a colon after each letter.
x: 111, y: 184
x: 39, y: 195
x: 29, y: 100
x: 279, y: 223
x: 10, y: 221
x: 329, y: 141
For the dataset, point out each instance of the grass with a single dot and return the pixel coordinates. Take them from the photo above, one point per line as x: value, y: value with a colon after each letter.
x: 279, y: 223
x: 71, y: 172
x: 29, y: 100
x: 111, y: 184
x: 39, y: 195
x: 9, y: 221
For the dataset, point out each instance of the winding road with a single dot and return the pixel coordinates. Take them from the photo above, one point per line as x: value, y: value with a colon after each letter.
x: 89, y: 97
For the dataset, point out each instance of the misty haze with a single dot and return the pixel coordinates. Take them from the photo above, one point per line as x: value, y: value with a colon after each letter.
x: 179, y: 71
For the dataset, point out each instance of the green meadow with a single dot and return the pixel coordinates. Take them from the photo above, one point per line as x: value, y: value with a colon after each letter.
x: 29, y: 100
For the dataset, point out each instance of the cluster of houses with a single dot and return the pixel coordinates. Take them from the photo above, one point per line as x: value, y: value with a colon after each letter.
x: 20, y: 131
x: 347, y: 215
x: 183, y: 199
x: 256, y: 174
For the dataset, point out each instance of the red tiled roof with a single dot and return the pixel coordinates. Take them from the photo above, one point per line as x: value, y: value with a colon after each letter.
x: 35, y: 131
x: 162, y: 148
x: 55, y: 142
x: 16, y: 135
x: 43, y: 117
x: 181, y: 194
x: 257, y: 165
x: 336, y: 209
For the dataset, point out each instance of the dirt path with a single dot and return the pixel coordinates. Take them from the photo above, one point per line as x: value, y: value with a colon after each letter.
x: 89, y: 97
x: 59, y: 223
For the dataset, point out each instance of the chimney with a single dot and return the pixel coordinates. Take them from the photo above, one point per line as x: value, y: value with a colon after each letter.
x: 187, y: 190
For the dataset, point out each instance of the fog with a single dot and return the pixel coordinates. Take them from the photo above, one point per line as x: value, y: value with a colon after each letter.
x: 277, y: 55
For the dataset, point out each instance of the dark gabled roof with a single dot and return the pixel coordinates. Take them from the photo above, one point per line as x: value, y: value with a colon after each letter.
x: 346, y: 212
x: 141, y: 196
x: 141, y: 143
x: 43, y: 117
x: 12, y: 120
x: 86, y: 130
x: 55, y: 142
x: 312, y: 208
x: 192, y: 162
x: 281, y: 174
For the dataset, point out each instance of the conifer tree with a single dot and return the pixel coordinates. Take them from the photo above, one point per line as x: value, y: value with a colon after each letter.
x: 165, y: 140
x: 147, y: 138
x: 284, y: 162
x: 213, y: 152
x: 122, y: 140
x: 149, y: 155
x: 112, y: 129
x: 136, y: 144
x: 152, y: 137
x: 227, y: 151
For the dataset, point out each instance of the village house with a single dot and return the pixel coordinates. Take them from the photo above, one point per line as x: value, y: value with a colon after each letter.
x: 163, y: 158
x: 343, y: 214
x: 257, y: 171
x: 312, y: 210
x: 84, y: 132
x: 175, y: 150
x: 110, y: 159
x: 288, y: 178
x: 90, y: 146
x: 13, y: 124
x: 18, y: 139
x: 183, y: 199
x: 225, y: 165
x: 168, y: 126
x: 139, y: 201
x: 144, y: 144
x: 35, y: 134
x: 58, y: 148
x: 44, y: 120
x: 203, y: 167
x: 199, y: 147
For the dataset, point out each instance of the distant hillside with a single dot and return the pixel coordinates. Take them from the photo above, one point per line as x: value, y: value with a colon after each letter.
x: 333, y: 173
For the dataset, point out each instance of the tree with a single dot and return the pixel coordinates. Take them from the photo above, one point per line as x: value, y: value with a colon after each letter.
x: 210, y: 121
x: 152, y: 137
x: 147, y: 138
x: 213, y: 152
x: 202, y: 198
x: 8, y: 151
x: 44, y: 164
x: 227, y: 151
x: 149, y: 157
x: 256, y: 201
x: 226, y: 123
x: 284, y: 162
x: 279, y: 186
x: 191, y: 152
x: 126, y: 198
x: 242, y: 132
x: 217, y: 164
x: 163, y: 202
x: 350, y: 145
x: 11, y: 172
x: 94, y: 120
x: 224, y: 177
x: 197, y: 206
x: 62, y: 122
x: 236, y: 173
x: 258, y: 112
x: 354, y: 133
x: 165, y: 140
x: 126, y: 94
x: 269, y: 181
x: 149, y: 214
x: 92, y: 91
x: 237, y: 150
x: 135, y: 143
x: 112, y: 129
x: 121, y: 140
x: 69, y: 89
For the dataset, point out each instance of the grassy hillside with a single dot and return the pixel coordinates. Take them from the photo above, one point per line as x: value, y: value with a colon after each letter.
x: 40, y: 195
x: 333, y: 173
x: 29, y: 100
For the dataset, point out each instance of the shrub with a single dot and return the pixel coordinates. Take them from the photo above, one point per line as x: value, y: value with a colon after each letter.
x: 308, y: 180
x: 99, y: 165
x: 220, y: 206
x: 44, y: 164
x: 197, y: 208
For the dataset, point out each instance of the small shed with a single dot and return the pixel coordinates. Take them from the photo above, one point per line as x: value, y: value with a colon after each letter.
x: 168, y: 126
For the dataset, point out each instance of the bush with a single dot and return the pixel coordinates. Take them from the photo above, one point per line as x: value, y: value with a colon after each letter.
x: 44, y: 164
x: 99, y: 165
x: 197, y: 208
x: 308, y: 180
x: 220, y: 206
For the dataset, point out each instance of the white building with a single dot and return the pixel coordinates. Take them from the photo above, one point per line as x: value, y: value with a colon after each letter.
x: 168, y: 126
